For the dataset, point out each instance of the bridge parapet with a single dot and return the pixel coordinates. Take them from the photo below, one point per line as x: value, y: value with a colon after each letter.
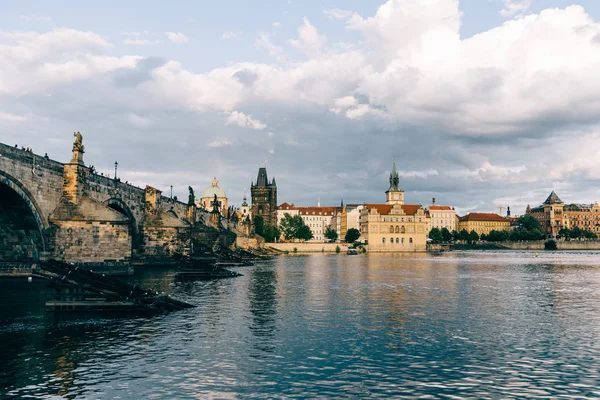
x: 85, y: 217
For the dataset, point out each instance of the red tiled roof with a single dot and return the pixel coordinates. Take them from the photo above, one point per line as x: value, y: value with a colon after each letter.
x: 385, y: 209
x: 483, y: 217
x: 440, y: 208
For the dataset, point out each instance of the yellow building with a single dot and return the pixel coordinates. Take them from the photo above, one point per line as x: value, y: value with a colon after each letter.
x: 394, y: 226
x: 483, y: 223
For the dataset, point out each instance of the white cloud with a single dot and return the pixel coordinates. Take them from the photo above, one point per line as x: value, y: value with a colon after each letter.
x: 244, y: 121
x: 219, y: 143
x: 309, y: 41
x: 338, y: 13
x: 343, y: 103
x: 515, y: 7
x: 32, y: 62
x: 263, y: 41
x: 177, y: 37
x: 11, y: 117
x: 228, y: 35
x: 139, y: 122
x: 276, y: 24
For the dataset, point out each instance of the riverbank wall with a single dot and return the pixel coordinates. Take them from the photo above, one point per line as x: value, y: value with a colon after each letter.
x: 308, y: 247
x: 533, y: 245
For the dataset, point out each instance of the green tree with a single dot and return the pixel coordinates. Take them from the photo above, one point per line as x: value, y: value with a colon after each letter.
x: 352, y: 235
x: 463, y: 235
x: 446, y: 235
x: 259, y: 225
x: 473, y: 237
x: 293, y: 227
x: 529, y: 223
x: 271, y: 233
x: 304, y: 233
x: 331, y: 234
x: 435, y: 234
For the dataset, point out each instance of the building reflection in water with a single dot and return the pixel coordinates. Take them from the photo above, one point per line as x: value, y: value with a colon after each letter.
x: 64, y: 367
x: 262, y: 296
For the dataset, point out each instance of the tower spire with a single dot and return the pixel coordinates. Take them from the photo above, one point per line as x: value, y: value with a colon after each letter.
x: 394, y: 179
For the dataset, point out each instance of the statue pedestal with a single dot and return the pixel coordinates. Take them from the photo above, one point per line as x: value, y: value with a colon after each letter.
x: 215, y: 218
x: 77, y: 156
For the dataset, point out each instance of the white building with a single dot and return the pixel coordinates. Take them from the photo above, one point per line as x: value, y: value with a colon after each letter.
x: 316, y: 218
x: 441, y: 217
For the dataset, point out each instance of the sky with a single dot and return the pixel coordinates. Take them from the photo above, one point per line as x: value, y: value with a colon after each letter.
x: 481, y: 103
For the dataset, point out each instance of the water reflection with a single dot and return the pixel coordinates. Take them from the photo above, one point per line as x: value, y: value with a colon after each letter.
x: 262, y: 298
x: 474, y: 325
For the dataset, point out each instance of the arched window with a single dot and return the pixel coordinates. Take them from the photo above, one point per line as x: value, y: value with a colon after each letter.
x: 397, y: 241
x: 391, y: 240
x: 383, y: 240
x: 410, y: 240
x: 402, y: 229
x: 391, y: 229
x: 402, y: 240
x: 397, y: 229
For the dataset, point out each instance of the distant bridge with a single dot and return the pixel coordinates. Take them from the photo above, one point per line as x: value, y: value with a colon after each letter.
x: 66, y: 211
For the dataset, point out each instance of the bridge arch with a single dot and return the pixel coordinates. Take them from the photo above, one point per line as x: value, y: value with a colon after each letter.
x: 21, y: 216
x: 121, y: 207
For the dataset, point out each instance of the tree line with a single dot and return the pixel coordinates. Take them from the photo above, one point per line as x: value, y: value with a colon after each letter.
x: 528, y: 228
x: 293, y: 227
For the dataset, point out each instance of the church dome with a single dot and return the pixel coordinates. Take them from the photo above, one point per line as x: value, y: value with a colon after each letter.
x: 214, y: 189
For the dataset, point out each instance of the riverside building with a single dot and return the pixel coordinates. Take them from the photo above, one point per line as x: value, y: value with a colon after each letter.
x: 441, y: 217
x: 483, y: 223
x: 555, y: 215
x: 394, y: 226
x: 316, y: 218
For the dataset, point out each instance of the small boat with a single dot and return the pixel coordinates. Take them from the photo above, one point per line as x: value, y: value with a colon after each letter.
x: 352, y: 251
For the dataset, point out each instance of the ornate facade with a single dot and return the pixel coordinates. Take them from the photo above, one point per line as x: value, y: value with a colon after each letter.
x: 554, y: 215
x: 394, y: 226
x: 264, y: 198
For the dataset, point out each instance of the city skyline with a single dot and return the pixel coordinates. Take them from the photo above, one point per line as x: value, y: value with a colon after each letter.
x: 481, y: 104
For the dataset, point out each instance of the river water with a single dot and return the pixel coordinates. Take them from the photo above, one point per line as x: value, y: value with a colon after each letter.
x: 454, y: 325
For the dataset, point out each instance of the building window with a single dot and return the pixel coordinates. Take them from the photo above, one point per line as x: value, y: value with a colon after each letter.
x: 391, y: 240
x: 383, y: 240
x: 402, y: 229
x: 397, y: 241
x: 402, y: 240
x: 397, y: 229
x: 410, y: 240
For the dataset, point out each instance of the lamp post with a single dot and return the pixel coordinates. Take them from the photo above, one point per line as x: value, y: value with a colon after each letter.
x: 171, y: 191
x: 116, y: 165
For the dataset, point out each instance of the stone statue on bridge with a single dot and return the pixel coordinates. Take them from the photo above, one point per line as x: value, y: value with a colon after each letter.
x: 216, y: 204
x: 78, y: 149
x: 78, y: 144
x: 191, y: 197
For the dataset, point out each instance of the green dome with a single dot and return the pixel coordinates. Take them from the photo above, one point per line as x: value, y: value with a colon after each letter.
x: 214, y: 189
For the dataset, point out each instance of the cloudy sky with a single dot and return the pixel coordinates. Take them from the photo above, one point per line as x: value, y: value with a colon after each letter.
x: 481, y: 102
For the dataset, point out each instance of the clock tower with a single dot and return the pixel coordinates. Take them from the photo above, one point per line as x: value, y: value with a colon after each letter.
x: 394, y: 194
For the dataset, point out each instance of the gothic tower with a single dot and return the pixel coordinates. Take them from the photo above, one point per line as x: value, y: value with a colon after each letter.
x: 264, y: 198
x: 394, y: 194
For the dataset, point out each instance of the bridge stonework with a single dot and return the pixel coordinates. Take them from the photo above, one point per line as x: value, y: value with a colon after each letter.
x: 66, y: 211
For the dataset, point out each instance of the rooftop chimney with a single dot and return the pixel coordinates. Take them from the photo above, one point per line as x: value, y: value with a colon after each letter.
x: 433, y: 201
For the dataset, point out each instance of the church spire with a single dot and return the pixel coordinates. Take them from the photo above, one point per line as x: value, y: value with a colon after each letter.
x: 394, y: 179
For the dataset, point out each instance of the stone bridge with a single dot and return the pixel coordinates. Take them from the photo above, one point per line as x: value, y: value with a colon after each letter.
x: 66, y: 211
